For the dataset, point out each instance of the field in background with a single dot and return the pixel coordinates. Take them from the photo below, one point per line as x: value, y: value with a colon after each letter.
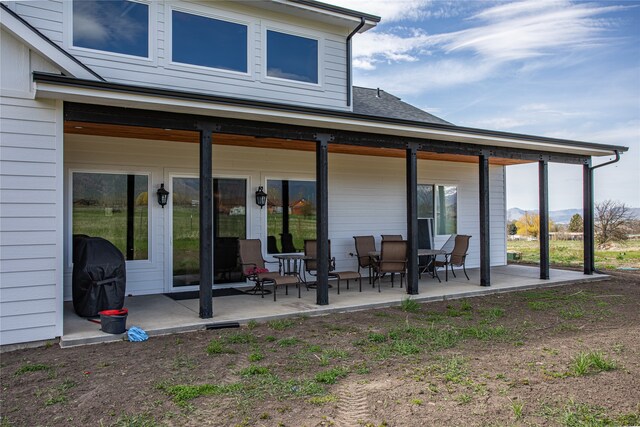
x: 570, y: 253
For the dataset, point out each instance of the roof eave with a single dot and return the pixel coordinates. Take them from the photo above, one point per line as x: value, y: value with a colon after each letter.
x: 77, y: 90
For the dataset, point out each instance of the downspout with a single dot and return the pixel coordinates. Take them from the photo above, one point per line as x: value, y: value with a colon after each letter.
x: 362, y: 21
x: 617, y: 159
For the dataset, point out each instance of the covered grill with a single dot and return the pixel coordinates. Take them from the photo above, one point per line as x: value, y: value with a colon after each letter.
x: 99, y: 276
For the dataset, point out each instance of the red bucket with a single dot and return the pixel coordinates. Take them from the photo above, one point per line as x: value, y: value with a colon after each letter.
x: 114, y: 321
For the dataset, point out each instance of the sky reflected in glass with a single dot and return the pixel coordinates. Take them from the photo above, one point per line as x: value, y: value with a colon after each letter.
x: 209, y: 42
x: 114, y: 26
x: 292, y: 57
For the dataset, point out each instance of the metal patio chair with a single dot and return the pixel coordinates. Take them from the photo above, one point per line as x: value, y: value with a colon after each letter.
x: 393, y: 259
x: 364, y: 245
x: 253, y: 265
x: 456, y: 256
x: 311, y: 265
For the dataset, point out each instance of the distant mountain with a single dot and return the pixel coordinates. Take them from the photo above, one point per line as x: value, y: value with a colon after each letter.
x: 559, y: 217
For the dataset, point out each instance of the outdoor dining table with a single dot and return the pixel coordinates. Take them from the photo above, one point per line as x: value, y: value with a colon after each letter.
x: 290, y: 264
x: 421, y: 252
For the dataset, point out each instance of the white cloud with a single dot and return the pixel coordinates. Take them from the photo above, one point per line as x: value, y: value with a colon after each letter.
x: 433, y: 75
x: 530, y: 29
x: 504, y: 33
x: 373, y: 47
x: 388, y: 10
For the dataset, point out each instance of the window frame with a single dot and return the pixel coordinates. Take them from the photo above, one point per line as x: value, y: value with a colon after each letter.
x: 264, y: 212
x: 169, y: 175
x: 435, y: 203
x: 298, y: 32
x: 151, y: 36
x: 206, y: 12
x: 134, y: 264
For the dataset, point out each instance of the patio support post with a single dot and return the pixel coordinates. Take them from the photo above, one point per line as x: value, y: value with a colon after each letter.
x: 485, y: 260
x: 587, y: 213
x: 322, y: 217
x: 206, y: 223
x: 543, y: 200
x: 412, y: 218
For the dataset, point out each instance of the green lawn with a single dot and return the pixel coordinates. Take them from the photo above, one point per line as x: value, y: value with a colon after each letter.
x: 111, y: 224
x: 570, y: 253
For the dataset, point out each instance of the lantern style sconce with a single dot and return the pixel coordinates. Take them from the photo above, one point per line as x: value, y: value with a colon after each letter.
x: 163, y: 195
x: 261, y: 197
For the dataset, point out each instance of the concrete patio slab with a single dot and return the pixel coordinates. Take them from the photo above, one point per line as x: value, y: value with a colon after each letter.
x: 158, y: 314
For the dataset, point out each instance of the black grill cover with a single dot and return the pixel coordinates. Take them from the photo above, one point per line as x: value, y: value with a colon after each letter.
x: 99, y: 276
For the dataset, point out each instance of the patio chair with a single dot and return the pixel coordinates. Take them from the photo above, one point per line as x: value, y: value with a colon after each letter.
x: 272, y: 245
x: 455, y: 257
x: 311, y: 265
x: 364, y: 245
x: 287, y: 243
x: 393, y: 259
x: 391, y: 237
x: 311, y: 257
x: 253, y: 267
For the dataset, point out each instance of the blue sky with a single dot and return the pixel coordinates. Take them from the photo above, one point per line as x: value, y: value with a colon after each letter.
x: 553, y: 68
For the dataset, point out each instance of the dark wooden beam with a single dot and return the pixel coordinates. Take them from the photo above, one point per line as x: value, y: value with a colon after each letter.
x: 543, y: 200
x: 485, y: 235
x: 166, y: 120
x: 588, y: 217
x: 412, y: 219
x: 322, y: 217
x: 206, y: 224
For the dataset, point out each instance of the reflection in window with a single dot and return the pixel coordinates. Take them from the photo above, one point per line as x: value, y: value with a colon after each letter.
x: 291, y: 215
x: 439, y: 202
x: 114, y: 207
x: 115, y: 26
x: 292, y: 57
x: 209, y: 42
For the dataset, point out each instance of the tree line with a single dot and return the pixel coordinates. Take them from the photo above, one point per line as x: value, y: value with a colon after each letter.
x: 613, y: 221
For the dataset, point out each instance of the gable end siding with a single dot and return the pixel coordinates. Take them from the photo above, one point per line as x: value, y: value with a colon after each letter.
x: 30, y: 206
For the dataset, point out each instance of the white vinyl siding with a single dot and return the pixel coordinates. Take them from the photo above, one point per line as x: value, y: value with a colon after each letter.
x: 160, y: 72
x: 30, y: 205
x: 366, y: 194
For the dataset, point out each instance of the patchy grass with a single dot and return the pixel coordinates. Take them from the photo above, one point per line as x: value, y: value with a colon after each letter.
x: 581, y: 415
x: 217, y: 346
x: 331, y: 376
x: 322, y: 400
x: 289, y: 342
x: 281, y: 324
x: 241, y: 338
x: 32, y: 367
x: 141, y: 420
x: 409, y: 305
x: 591, y: 362
x: 254, y: 370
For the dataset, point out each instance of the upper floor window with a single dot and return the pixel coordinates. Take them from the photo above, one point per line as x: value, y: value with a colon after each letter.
x: 117, y: 26
x: 292, y: 57
x: 209, y: 42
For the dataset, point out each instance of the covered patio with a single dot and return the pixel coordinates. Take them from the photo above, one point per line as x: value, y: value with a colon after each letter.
x: 159, y: 314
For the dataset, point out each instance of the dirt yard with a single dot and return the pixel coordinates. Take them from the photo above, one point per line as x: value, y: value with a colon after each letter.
x: 567, y: 356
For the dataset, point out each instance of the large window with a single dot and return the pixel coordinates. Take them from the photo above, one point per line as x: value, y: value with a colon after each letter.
x: 209, y: 42
x: 441, y: 203
x: 292, y: 57
x: 117, y: 26
x: 291, y: 214
x: 114, y: 207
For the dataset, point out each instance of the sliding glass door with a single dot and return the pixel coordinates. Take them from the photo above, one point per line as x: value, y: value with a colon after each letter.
x: 229, y: 225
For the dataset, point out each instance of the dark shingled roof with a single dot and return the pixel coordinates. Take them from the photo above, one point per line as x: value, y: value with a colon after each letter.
x: 378, y: 103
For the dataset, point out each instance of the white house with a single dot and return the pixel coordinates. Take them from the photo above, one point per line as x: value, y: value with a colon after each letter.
x: 103, y: 102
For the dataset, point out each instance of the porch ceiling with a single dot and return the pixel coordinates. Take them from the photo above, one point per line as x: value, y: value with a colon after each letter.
x: 121, y: 131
